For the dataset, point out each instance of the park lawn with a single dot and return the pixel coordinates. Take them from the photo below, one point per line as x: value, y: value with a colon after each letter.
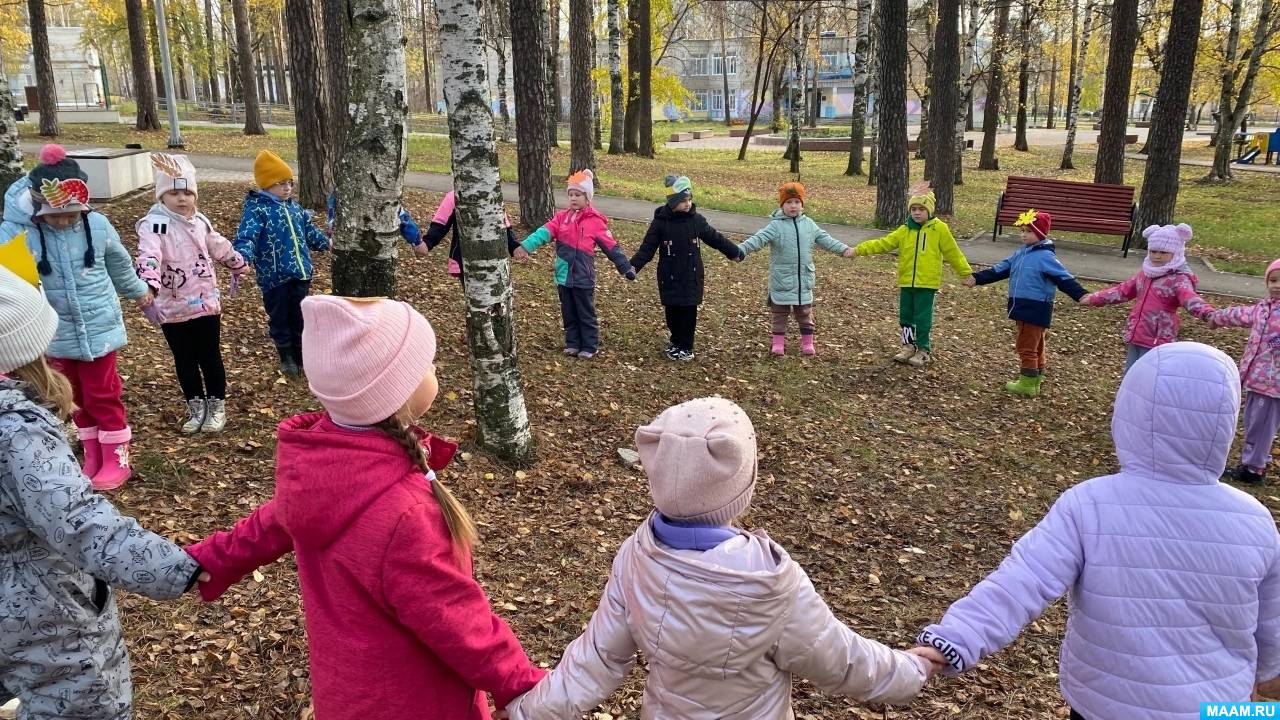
x: 1236, y: 225
x: 896, y: 489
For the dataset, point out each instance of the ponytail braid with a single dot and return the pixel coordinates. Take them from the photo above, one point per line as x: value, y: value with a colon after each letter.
x: 461, y: 527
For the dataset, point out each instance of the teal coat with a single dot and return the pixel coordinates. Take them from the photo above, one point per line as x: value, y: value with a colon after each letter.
x: 90, y: 324
x: 792, y: 275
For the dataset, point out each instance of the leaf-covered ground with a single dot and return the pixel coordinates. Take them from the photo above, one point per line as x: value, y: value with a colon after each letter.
x: 896, y: 489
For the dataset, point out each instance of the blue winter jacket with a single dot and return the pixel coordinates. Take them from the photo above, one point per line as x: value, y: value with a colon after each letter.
x: 277, y: 237
x: 90, y: 324
x: 1034, y: 275
x: 408, y: 228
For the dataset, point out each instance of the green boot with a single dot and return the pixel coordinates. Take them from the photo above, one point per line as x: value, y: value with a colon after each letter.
x: 1027, y: 385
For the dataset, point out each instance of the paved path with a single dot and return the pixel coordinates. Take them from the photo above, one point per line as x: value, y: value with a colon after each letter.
x: 1092, y: 262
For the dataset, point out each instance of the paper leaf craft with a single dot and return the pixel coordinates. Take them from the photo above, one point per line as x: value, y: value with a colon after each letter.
x: 15, y: 256
x: 920, y: 188
x: 1025, y: 218
x: 61, y: 193
x: 166, y: 164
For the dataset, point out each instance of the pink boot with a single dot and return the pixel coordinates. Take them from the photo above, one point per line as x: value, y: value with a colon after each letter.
x: 779, y: 344
x: 806, y: 345
x: 92, y: 451
x: 115, y: 459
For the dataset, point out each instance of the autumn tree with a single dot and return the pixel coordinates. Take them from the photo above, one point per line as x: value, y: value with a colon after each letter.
x: 1233, y: 102
x: 617, y: 103
x: 1115, y: 104
x: 891, y: 155
x: 46, y: 88
x: 248, y: 70
x: 144, y: 90
x: 1074, y: 87
x: 861, y: 57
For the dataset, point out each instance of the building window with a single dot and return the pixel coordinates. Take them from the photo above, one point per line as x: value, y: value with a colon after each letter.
x: 830, y: 60
x: 718, y: 63
x: 711, y: 101
x: 698, y: 65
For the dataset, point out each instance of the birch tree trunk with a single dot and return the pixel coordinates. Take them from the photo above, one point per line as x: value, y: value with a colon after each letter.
x: 1263, y: 31
x: 212, y: 66
x: 617, y: 118
x: 1109, y: 168
x: 10, y: 149
x: 533, y: 159
x: 248, y: 70
x: 581, y: 110
x: 861, y: 52
x: 945, y: 104
x: 1164, y: 142
x: 46, y: 86
x: 148, y: 118
x: 366, y: 231
x: 306, y: 58
x: 995, y: 83
x: 1053, y: 74
x: 502, y: 422
x: 968, y: 78
x: 892, y: 171
x: 1073, y: 90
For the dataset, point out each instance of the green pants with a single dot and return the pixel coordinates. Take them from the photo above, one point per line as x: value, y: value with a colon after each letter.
x: 915, y: 315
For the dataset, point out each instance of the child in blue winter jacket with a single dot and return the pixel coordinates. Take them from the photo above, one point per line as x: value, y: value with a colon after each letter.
x: 1035, y: 275
x: 277, y: 236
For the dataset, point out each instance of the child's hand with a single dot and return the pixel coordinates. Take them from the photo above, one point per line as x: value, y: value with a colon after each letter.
x: 421, y: 249
x: 1270, y: 689
x: 521, y: 255
x: 630, y: 275
x: 145, y: 301
x: 933, y: 660
x: 848, y: 253
x: 969, y: 281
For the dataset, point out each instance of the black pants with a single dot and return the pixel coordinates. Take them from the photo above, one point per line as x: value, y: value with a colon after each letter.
x: 197, y: 356
x: 578, y: 311
x: 682, y: 321
x: 284, y: 314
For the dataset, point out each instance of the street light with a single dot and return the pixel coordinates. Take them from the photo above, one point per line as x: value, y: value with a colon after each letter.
x: 175, y: 132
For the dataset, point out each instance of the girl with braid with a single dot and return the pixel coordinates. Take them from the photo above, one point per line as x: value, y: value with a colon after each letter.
x: 393, y: 612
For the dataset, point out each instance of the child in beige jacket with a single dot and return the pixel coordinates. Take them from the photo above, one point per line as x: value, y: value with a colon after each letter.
x: 724, y: 616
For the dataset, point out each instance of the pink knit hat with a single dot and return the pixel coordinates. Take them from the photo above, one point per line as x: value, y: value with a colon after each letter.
x: 364, y: 356
x: 700, y: 457
x: 1274, y: 266
x: 584, y: 182
x: 173, y: 172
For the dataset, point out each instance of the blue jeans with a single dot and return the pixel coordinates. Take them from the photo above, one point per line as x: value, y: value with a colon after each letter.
x: 1131, y: 355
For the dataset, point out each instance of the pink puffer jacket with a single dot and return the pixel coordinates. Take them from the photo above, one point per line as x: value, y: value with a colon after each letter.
x: 175, y: 258
x: 1260, y: 364
x: 1154, y: 319
x: 723, y: 631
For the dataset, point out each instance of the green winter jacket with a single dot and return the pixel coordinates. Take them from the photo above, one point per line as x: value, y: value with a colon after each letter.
x: 792, y: 275
x: 920, y: 253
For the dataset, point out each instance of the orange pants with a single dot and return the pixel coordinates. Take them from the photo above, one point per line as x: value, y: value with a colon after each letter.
x: 1029, y: 344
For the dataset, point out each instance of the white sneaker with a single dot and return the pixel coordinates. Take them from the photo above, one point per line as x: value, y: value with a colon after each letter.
x: 195, y: 416
x: 10, y: 710
x: 905, y: 355
x: 215, y: 415
x: 920, y: 359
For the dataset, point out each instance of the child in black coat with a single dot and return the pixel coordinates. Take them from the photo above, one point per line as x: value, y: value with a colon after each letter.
x: 676, y: 231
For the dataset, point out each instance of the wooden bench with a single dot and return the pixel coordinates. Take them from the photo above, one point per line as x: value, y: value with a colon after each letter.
x: 681, y: 137
x: 1075, y: 206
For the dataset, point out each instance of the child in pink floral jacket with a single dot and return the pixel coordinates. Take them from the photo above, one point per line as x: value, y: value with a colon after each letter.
x: 177, y: 246
x: 1260, y: 375
x: 1164, y: 284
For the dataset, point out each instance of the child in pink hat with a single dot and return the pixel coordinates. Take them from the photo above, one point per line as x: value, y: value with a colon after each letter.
x: 724, y: 616
x: 1260, y: 376
x: 394, y: 616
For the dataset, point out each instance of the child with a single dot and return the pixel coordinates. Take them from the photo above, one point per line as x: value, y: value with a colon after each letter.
x: 446, y: 219
x: 1174, y: 578
x: 1260, y: 372
x: 397, y: 627
x: 791, y: 236
x: 177, y: 246
x: 724, y: 616
x: 277, y: 237
x: 922, y: 243
x: 408, y: 228
x: 1034, y: 273
x: 65, y: 547
x: 577, y: 231
x: 678, y: 227
x: 1164, y: 284
x: 82, y: 266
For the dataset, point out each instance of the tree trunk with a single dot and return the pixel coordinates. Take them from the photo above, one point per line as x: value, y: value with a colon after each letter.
x: 337, y: 21
x: 427, y: 93
x: 968, y: 79
x: 306, y: 58
x: 775, y: 118
x: 1164, y: 141
x: 646, y: 80
x: 504, y: 110
x: 261, y: 72
x: 1073, y: 89
x: 1115, y: 102
x: 366, y: 230
x: 1020, y: 137
x: 724, y: 66
x: 215, y: 93
x: 10, y: 148
x: 144, y: 91
x: 502, y: 422
x: 46, y: 86
x: 631, y: 129
x: 945, y: 104
x: 892, y: 171
x: 1053, y: 74
x: 922, y: 140
x: 861, y: 53
x: 1233, y: 115
x: 617, y: 118
x: 796, y: 98
x: 282, y: 75
x: 268, y: 65
x: 154, y: 49
x: 553, y: 70
x: 759, y: 82
x: 248, y: 70
x: 873, y: 94
x: 533, y: 160
x: 581, y: 108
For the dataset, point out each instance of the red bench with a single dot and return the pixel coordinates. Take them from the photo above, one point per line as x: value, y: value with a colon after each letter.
x: 1075, y: 206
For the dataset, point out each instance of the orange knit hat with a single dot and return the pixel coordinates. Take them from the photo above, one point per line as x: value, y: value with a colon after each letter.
x: 789, y: 190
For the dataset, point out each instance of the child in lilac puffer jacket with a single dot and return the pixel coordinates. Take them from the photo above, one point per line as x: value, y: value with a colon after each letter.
x: 1164, y: 284
x: 1174, y: 578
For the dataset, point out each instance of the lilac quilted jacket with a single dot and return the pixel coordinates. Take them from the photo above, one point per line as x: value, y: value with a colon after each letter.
x: 1173, y: 578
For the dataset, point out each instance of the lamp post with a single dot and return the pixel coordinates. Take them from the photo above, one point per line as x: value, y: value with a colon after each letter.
x: 170, y: 99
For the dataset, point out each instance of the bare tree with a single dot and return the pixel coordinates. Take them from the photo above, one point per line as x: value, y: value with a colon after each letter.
x: 892, y: 170
x: 1115, y: 101
x: 723, y: 19
x: 533, y: 159
x: 617, y: 119
x: 46, y: 87
x: 945, y: 104
x: 306, y: 58
x: 1073, y: 89
x: 1053, y: 72
x: 248, y: 70
x: 861, y: 54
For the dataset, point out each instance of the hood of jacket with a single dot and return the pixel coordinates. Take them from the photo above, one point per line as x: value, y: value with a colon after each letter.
x: 159, y: 212
x: 665, y: 213
x: 18, y: 206
x: 1175, y: 414
x: 780, y: 215
x: 318, y: 493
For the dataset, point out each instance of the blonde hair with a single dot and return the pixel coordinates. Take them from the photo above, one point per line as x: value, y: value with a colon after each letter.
x: 47, y: 387
x: 461, y: 527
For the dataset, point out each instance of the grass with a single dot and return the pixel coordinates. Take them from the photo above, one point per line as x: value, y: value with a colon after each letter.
x: 1234, y: 227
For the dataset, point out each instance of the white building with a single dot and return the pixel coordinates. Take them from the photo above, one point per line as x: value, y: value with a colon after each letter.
x: 77, y: 69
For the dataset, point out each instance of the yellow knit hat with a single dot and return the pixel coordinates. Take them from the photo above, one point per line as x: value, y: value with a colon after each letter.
x: 269, y: 169
x: 925, y: 201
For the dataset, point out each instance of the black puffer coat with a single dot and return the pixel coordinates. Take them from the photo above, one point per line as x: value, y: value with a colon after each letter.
x: 677, y: 238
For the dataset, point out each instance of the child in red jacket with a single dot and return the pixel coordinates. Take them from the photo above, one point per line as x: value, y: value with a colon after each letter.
x: 396, y: 624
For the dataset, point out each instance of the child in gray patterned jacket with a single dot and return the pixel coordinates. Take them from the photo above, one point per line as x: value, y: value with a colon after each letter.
x: 62, y: 546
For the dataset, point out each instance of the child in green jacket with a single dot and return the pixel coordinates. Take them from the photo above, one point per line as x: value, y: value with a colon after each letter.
x: 790, y: 236
x: 922, y: 242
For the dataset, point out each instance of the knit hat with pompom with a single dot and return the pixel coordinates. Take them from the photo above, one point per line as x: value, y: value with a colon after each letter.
x: 58, y: 186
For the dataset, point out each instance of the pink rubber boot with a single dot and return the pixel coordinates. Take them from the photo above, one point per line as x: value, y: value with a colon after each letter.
x: 806, y: 345
x: 92, y: 451
x: 779, y: 344
x: 115, y: 459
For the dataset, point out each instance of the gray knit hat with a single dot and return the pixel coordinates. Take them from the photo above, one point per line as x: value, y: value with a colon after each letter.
x: 27, y: 322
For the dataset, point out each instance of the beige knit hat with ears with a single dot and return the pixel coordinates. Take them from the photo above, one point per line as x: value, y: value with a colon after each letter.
x: 27, y: 322
x: 700, y: 457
